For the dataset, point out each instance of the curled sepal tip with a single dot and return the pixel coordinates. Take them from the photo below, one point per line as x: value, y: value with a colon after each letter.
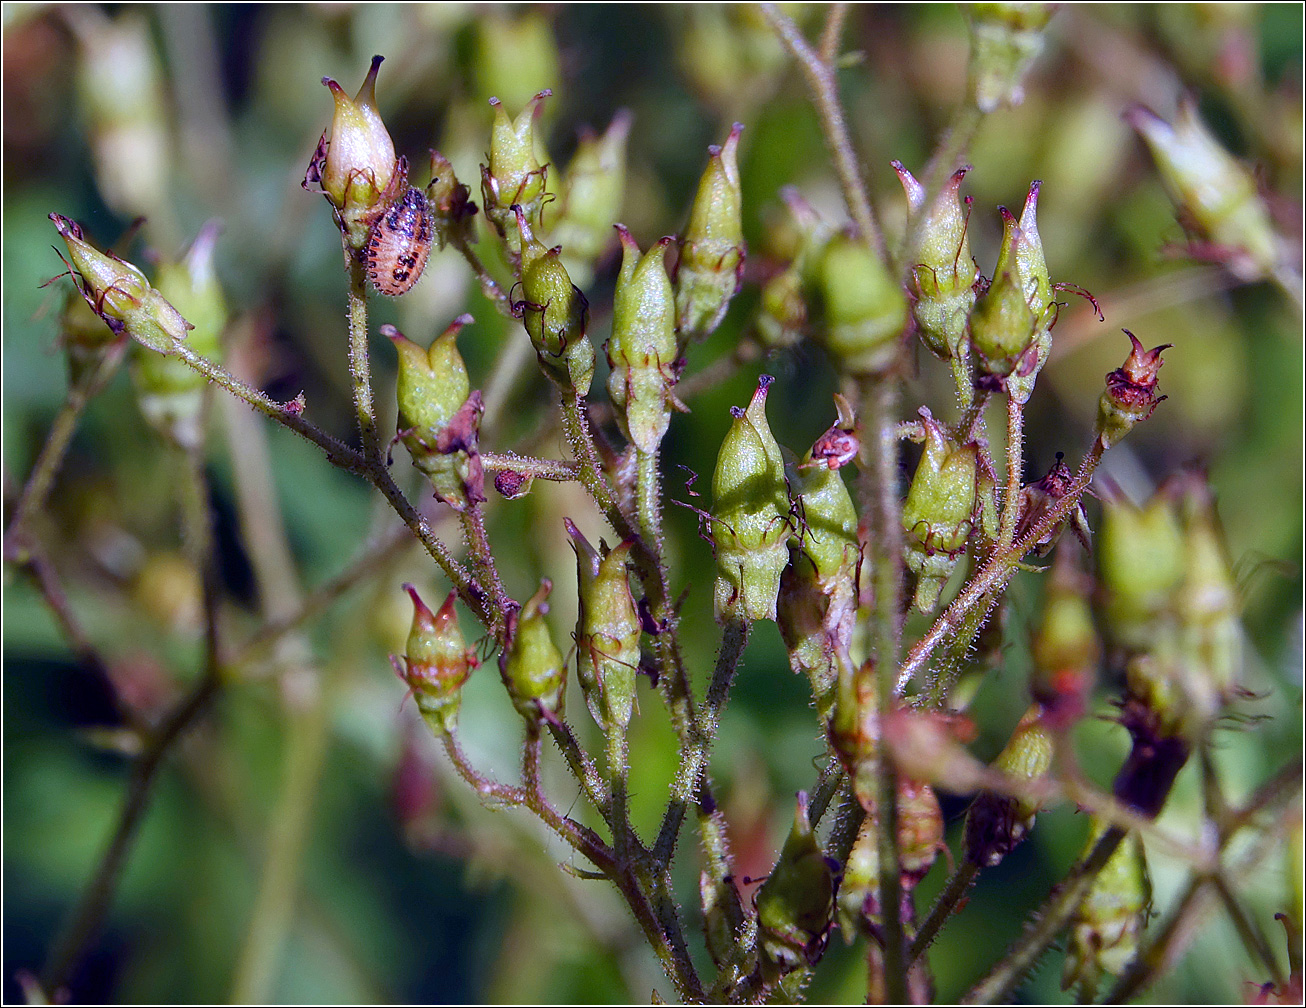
x: 1130, y: 395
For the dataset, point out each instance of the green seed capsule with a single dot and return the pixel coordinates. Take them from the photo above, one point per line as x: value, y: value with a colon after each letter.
x: 437, y: 663
x: 938, y: 515
x: 439, y: 415
x: 170, y: 392
x: 555, y: 314
x: 1130, y: 395
x: 642, y: 351
x: 862, y: 307
x: 943, y: 273
x: 795, y: 905
x: 119, y: 293
x: 591, y: 197
x: 996, y: 823
x: 712, y: 248
x: 355, y: 163
x: 1216, y: 195
x: 515, y: 176
x: 1106, y: 928
x: 1065, y: 647
x: 532, y: 668
x: 1005, y: 40
x: 451, y: 209
x: 607, y: 632
x: 750, y: 527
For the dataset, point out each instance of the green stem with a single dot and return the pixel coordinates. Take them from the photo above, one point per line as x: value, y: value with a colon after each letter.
x: 1047, y: 923
x: 617, y: 751
x: 669, y: 946
x: 486, y: 788
x: 484, y: 568
x: 694, y: 757
x: 944, y: 907
x: 360, y: 361
x: 1015, y: 459
x: 287, y: 414
x: 560, y: 470
x: 821, y: 82
x: 880, y: 399
x: 583, y: 769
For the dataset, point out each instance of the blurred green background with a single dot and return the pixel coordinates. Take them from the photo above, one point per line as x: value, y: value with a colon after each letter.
x: 409, y: 890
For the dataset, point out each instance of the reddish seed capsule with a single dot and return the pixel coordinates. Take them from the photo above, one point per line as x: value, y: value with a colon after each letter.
x: 399, y: 245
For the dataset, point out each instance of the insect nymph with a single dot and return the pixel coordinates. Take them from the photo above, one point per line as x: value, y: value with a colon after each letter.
x: 399, y: 245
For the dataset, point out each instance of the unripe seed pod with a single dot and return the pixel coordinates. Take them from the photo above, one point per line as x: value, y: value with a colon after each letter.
x: 1216, y: 196
x: 1106, y: 928
x: 532, y: 668
x: 1005, y: 39
x: 854, y: 730
x: 943, y: 274
x: 591, y: 197
x: 514, y: 176
x: 996, y: 823
x: 1141, y: 563
x: 712, y: 248
x: 451, y: 208
x: 1207, y: 604
x: 439, y: 415
x: 817, y: 606
x: 355, y: 163
x: 1010, y: 350
x: 399, y: 245
x: 795, y: 905
x: 437, y: 663
x: 783, y: 316
x: 1064, y: 647
x: 642, y: 351
x: 862, y: 307
x: 920, y: 838
x: 607, y: 632
x: 1130, y: 395
x: 938, y: 515
x: 119, y: 293
x: 170, y: 392
x: 555, y: 314
x: 1163, y: 726
x: 750, y: 525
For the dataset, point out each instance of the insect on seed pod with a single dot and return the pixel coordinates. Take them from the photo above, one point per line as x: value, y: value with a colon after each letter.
x: 400, y: 242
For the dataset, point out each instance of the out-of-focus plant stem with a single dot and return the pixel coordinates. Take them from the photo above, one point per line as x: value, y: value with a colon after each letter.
x: 1180, y: 927
x: 50, y: 458
x: 821, y: 82
x: 85, y: 922
x: 1046, y: 924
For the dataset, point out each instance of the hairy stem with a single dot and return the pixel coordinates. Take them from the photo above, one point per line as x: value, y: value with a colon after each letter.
x: 820, y: 76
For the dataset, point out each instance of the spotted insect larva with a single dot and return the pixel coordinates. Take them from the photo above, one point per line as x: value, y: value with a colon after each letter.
x: 400, y: 242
